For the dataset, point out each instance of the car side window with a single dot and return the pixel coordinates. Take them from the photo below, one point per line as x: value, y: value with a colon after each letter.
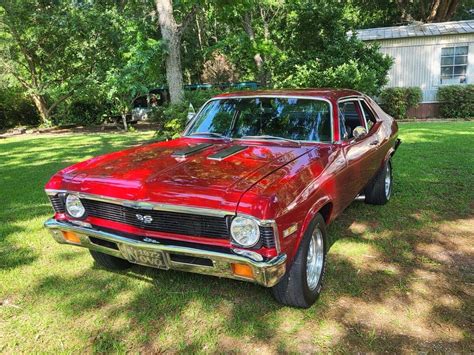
x: 369, y: 115
x: 350, y: 116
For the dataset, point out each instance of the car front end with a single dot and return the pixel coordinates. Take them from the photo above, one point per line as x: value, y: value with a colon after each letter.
x: 200, y: 240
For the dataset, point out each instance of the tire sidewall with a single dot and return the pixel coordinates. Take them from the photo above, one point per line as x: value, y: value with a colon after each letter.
x: 312, y: 295
x: 389, y: 166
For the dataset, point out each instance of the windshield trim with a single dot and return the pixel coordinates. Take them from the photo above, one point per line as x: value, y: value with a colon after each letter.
x: 319, y: 98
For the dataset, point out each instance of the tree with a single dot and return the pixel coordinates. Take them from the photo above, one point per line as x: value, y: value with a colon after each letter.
x: 134, y: 71
x: 255, y: 40
x: 321, y: 54
x: 53, y: 49
x: 172, y: 33
x: 218, y: 70
x: 134, y: 77
x: 379, y: 13
x: 427, y: 11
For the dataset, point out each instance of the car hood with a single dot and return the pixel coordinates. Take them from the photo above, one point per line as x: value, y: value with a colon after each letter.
x: 158, y: 173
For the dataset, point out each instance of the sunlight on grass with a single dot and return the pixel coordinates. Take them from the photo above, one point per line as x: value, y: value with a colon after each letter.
x: 398, y: 275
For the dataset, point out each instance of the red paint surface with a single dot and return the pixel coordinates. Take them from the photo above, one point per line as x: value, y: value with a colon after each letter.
x: 269, y: 180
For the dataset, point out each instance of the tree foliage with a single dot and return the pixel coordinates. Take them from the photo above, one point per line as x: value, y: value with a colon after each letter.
x: 55, y: 49
x: 77, y: 61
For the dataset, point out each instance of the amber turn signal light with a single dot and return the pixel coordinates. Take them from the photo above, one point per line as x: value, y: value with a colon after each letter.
x: 242, y: 270
x: 71, y: 237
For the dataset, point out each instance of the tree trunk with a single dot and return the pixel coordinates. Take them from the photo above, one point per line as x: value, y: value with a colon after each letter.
x: 42, y: 108
x: 257, y: 58
x: 452, y: 9
x: 124, y: 121
x: 172, y: 35
x: 433, y: 10
x: 174, y: 72
x: 442, y: 10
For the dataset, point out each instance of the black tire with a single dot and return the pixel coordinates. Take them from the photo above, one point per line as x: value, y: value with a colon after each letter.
x: 110, y: 262
x: 293, y: 289
x: 376, y: 193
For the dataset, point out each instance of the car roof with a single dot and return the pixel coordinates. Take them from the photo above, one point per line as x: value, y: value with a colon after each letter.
x: 326, y: 93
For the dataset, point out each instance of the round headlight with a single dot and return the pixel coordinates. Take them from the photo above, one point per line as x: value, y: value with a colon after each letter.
x: 74, y: 206
x: 245, y: 231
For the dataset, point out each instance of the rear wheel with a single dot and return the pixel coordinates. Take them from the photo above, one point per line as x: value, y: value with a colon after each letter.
x: 109, y: 262
x: 302, y: 283
x: 380, y: 190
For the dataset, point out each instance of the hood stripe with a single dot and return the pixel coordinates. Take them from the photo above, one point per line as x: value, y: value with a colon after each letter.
x: 225, y: 153
x: 183, y: 153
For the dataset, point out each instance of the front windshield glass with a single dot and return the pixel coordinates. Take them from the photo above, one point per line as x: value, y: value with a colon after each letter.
x: 289, y: 118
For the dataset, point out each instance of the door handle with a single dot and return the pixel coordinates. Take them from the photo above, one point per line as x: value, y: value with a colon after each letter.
x: 374, y: 142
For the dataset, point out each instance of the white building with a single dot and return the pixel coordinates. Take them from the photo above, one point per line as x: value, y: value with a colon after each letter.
x: 427, y: 56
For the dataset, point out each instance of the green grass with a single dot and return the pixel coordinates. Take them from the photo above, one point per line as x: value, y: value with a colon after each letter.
x: 399, y: 276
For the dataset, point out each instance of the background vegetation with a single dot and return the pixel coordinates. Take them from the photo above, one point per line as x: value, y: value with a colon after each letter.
x: 456, y: 101
x: 397, y: 101
x: 79, y: 61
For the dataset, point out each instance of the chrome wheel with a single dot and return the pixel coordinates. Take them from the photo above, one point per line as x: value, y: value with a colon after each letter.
x: 388, y: 182
x: 315, y: 259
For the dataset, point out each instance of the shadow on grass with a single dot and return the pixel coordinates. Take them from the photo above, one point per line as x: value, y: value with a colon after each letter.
x: 384, y: 290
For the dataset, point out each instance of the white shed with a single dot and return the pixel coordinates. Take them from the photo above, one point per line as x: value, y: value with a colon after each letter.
x: 427, y: 56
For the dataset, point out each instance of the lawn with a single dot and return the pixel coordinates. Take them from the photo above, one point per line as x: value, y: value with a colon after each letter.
x: 400, y: 277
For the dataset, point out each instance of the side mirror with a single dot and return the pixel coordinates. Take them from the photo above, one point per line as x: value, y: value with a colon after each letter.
x: 191, y: 112
x: 359, y: 132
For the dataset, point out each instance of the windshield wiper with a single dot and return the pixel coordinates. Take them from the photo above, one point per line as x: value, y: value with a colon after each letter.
x: 267, y: 137
x: 212, y: 134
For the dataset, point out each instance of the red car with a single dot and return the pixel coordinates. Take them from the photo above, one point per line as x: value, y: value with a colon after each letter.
x: 246, y: 192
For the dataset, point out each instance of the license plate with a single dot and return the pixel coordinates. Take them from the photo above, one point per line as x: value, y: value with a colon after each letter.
x: 144, y: 257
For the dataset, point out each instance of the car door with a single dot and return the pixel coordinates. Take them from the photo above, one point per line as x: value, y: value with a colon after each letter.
x: 375, y: 136
x: 358, y: 153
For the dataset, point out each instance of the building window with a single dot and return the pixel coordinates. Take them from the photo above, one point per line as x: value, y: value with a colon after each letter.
x: 454, y: 65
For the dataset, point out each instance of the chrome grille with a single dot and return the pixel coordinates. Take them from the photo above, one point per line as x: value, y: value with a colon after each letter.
x: 164, y: 221
x: 160, y: 221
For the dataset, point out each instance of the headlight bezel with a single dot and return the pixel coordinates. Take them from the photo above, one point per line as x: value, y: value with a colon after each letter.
x: 69, y: 197
x: 238, y: 241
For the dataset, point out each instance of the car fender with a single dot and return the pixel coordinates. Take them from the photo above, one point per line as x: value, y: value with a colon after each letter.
x: 317, y: 206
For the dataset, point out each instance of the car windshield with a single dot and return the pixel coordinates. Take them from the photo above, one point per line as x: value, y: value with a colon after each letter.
x: 266, y: 118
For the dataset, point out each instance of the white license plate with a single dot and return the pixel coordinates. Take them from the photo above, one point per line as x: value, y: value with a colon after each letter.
x: 144, y: 257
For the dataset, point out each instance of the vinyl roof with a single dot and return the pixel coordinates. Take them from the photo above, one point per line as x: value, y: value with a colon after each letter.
x: 416, y: 30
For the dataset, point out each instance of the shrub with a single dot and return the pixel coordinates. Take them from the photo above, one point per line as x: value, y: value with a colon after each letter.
x: 16, y: 109
x: 199, y: 97
x: 81, y: 112
x: 397, y: 101
x: 457, y: 101
x: 171, y: 120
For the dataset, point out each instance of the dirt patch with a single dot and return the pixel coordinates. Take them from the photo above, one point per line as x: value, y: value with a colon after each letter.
x: 25, y: 131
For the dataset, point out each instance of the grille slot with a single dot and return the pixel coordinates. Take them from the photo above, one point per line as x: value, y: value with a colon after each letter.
x: 185, y: 259
x: 58, y: 204
x: 104, y: 243
x: 267, y: 237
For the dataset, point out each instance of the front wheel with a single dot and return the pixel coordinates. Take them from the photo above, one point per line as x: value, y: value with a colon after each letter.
x: 302, y: 283
x: 380, y: 190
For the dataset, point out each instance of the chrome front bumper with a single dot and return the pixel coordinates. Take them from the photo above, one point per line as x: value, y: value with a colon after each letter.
x: 266, y: 273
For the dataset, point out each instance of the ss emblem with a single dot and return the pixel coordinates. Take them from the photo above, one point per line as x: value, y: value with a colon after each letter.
x: 144, y: 219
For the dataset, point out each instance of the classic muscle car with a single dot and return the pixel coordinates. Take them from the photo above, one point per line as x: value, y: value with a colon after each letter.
x: 246, y: 192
